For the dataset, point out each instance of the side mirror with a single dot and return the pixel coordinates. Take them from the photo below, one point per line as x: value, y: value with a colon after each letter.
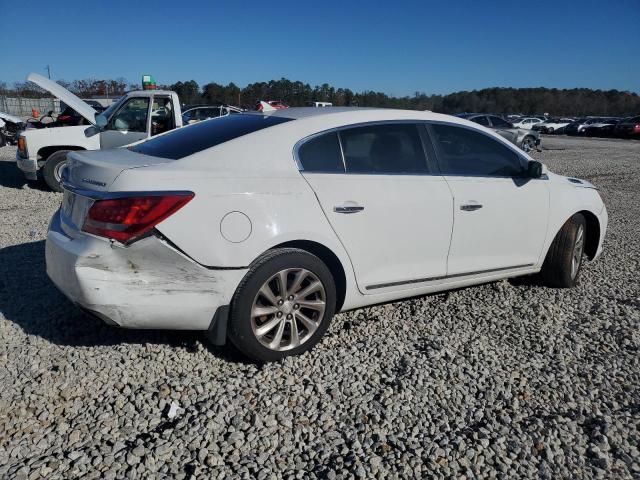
x: 91, y: 131
x: 101, y: 121
x: 534, y: 169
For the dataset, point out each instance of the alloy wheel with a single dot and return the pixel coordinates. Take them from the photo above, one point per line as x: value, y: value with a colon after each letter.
x: 527, y: 145
x: 288, y: 309
x: 578, y: 249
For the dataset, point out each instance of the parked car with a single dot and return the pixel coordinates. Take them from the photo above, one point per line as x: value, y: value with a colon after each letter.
x: 198, y: 113
x: 527, y: 140
x: 628, y: 128
x: 527, y: 123
x: 579, y: 126
x: 135, y: 116
x: 319, y: 104
x: 275, y: 104
x: 553, y: 125
x: 10, y: 125
x: 603, y: 128
x: 259, y: 227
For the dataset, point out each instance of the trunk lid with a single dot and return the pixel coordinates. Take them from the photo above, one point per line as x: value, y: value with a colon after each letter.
x: 79, y: 105
x: 97, y: 169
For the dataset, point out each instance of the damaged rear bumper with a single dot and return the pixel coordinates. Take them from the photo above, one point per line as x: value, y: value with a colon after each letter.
x: 148, y: 284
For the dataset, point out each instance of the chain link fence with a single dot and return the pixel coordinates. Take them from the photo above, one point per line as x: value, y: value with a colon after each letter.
x: 23, y: 107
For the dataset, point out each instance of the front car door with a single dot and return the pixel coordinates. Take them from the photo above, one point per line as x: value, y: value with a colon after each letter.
x: 500, y: 216
x: 129, y: 124
x: 388, y: 207
x: 504, y: 129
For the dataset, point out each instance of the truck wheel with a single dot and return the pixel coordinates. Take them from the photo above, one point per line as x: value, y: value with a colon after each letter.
x: 283, y: 305
x: 53, y: 168
x: 561, y: 267
x: 3, y: 142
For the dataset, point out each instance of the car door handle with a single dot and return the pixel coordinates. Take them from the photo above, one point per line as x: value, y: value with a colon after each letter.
x: 348, y: 209
x: 470, y: 207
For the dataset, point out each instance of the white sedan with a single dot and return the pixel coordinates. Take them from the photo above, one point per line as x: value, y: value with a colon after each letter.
x: 259, y: 227
x: 527, y: 123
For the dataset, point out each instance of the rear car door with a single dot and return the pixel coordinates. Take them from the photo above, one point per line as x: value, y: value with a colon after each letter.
x: 500, y: 216
x: 128, y: 124
x: 390, y: 210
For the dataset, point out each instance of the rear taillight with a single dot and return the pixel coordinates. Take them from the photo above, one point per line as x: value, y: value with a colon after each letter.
x: 125, y: 219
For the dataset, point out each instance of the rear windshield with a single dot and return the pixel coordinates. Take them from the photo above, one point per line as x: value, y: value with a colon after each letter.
x: 192, y: 139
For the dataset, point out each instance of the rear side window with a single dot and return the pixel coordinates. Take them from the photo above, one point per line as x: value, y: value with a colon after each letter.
x: 389, y: 148
x: 462, y: 151
x: 322, y: 154
x: 482, y: 121
x: 186, y: 141
x: 499, y: 123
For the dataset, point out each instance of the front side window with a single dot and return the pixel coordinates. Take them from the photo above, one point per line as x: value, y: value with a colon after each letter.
x: 206, y: 113
x: 389, y: 148
x: 322, y: 154
x: 462, y: 151
x: 132, y: 117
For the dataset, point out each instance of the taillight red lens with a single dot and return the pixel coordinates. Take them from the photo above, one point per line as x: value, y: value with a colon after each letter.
x: 125, y: 219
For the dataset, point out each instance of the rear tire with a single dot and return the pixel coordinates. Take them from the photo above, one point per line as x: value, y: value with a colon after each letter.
x: 53, y: 168
x: 267, y: 322
x: 561, y: 267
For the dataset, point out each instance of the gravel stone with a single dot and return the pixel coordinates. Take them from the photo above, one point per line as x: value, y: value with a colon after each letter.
x: 504, y: 380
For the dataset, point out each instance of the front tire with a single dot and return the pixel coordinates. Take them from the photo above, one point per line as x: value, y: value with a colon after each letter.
x: 53, y: 168
x: 283, y: 305
x: 528, y: 144
x: 561, y: 267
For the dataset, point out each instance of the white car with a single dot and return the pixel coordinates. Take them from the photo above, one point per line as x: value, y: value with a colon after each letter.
x: 553, y: 126
x: 205, y: 112
x: 259, y: 227
x: 527, y: 123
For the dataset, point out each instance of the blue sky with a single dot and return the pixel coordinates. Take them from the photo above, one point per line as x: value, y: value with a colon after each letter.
x: 396, y: 47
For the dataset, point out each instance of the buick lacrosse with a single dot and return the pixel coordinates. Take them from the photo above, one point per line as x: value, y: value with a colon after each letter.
x: 257, y: 228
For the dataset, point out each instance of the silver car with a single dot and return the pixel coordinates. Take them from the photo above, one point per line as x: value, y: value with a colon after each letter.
x: 527, y: 140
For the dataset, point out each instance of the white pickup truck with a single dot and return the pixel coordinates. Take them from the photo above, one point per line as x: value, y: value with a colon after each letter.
x: 135, y: 116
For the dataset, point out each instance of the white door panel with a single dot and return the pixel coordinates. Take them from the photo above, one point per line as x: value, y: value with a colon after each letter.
x: 498, y: 223
x: 118, y: 138
x: 395, y: 228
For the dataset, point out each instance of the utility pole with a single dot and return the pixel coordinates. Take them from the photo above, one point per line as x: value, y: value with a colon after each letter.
x: 49, y: 71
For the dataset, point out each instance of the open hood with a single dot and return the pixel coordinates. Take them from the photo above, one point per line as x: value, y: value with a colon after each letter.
x: 65, y: 95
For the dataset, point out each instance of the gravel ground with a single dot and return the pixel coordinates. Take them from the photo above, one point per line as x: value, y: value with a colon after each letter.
x: 506, y: 380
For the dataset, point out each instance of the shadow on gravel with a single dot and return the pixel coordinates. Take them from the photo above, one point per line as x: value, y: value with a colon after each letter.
x: 12, y: 177
x: 30, y: 300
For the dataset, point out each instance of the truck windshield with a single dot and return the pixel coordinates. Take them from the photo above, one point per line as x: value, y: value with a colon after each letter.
x: 194, y: 138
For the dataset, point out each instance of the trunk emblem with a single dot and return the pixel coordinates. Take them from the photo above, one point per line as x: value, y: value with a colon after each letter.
x: 94, y: 182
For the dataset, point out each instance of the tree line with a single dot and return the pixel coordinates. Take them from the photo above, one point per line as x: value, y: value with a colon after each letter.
x: 500, y: 100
